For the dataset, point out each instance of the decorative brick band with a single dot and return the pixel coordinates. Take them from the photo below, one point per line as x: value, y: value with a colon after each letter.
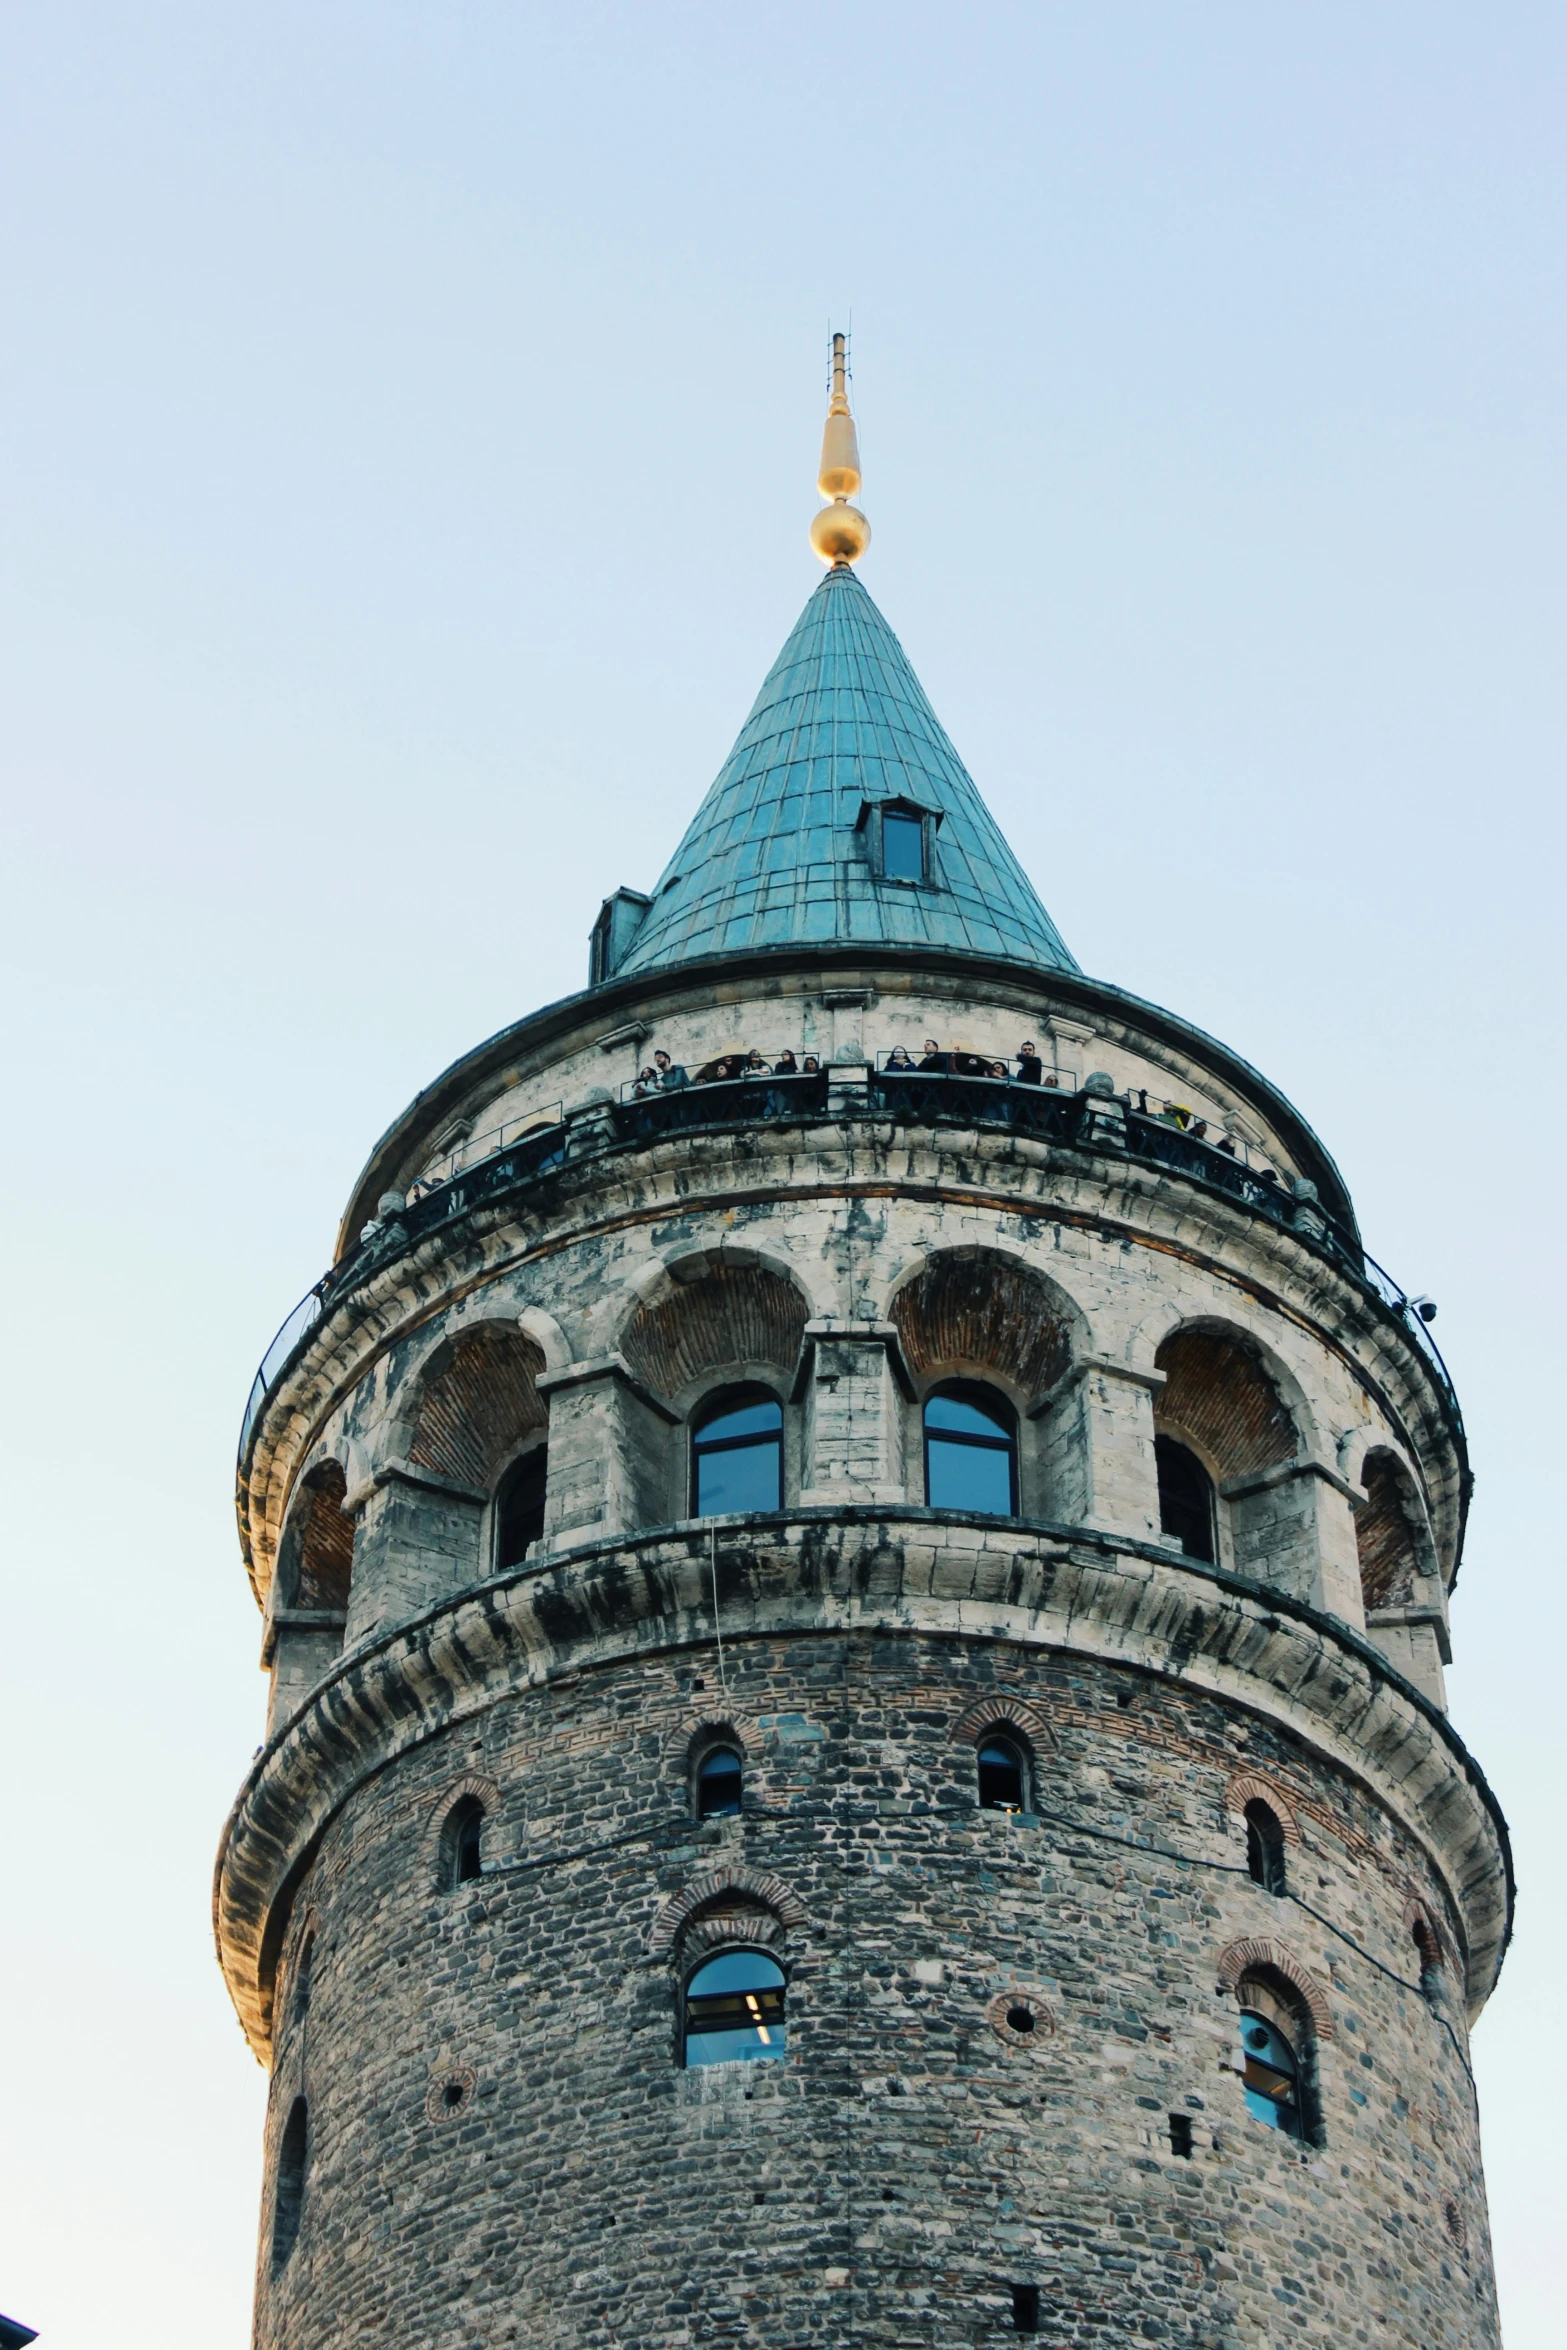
x: 769, y: 1892
x: 1246, y: 1787
x: 1257, y: 1951
x: 1003, y: 1712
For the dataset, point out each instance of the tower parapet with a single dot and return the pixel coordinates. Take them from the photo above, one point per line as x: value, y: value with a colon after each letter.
x: 854, y: 1563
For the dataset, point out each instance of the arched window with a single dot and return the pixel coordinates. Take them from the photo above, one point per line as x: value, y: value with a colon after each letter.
x: 1003, y: 1775
x: 519, y: 1508
x: 737, y: 1453
x: 288, y: 2199
x: 299, y: 1993
x: 970, y: 1450
x: 720, y: 1773
x: 462, y: 1844
x: 1185, y: 1498
x: 1429, y: 1952
x: 735, y: 2009
x: 1264, y: 1846
x: 1278, y: 2069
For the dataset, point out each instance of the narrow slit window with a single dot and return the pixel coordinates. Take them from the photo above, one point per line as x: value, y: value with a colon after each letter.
x: 737, y: 1455
x: 462, y: 1844
x: 1003, y: 1776
x: 1180, y: 2133
x: 288, y: 2200
x: 1265, y: 1846
x: 1025, y: 2309
x: 735, y: 2010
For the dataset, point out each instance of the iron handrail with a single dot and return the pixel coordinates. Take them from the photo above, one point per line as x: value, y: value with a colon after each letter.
x: 909, y: 1099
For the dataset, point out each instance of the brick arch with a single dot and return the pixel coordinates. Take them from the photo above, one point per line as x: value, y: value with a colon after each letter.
x: 715, y: 1723
x: 477, y: 1399
x: 1258, y: 1952
x: 1385, y: 1536
x: 1002, y: 1712
x: 728, y: 1317
x: 484, y: 1791
x: 1419, y: 1913
x: 1248, y: 1787
x: 984, y: 1308
x: 1218, y: 1395
x: 740, y: 1888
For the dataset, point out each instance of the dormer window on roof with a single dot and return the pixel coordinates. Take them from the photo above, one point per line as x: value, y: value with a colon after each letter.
x: 900, y: 840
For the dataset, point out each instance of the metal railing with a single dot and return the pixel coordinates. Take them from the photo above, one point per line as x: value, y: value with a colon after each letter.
x: 474, y: 1149
x: 908, y: 1097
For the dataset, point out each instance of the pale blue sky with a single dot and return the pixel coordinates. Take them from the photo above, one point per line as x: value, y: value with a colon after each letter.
x: 408, y: 418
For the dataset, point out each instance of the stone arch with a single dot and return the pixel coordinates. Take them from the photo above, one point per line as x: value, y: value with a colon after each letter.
x: 1003, y: 1712
x: 1261, y: 1954
x: 985, y: 1310
x: 737, y: 1897
x: 547, y: 1335
x: 719, y: 1312
x: 476, y: 1400
x: 1225, y: 1399
x: 316, y: 1556
x: 1250, y: 1787
x: 1389, y: 1526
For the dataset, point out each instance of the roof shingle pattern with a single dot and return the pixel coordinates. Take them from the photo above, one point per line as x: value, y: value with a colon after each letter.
x: 776, y: 854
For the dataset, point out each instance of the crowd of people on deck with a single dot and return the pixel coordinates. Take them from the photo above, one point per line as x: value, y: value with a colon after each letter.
x: 664, y: 1074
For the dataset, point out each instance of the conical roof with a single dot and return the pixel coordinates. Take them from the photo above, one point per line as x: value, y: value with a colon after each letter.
x: 782, y: 850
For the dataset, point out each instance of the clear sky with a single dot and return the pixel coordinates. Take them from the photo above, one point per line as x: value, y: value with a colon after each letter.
x: 408, y: 421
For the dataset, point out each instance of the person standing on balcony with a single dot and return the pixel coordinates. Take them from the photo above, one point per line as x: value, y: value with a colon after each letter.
x: 1030, y: 1068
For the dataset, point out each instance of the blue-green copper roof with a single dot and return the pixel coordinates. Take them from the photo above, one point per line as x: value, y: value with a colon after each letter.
x: 777, y: 854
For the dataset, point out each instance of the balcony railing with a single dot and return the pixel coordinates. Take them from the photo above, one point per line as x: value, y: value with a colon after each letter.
x: 1085, y: 1120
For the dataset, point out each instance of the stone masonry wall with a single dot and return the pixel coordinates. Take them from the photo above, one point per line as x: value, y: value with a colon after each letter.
x: 908, y: 2163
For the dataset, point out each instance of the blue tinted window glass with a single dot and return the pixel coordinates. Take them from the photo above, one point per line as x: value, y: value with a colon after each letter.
x: 903, y: 848
x: 748, y: 1477
x: 968, y: 1477
x: 749, y: 1419
x: 1271, y: 2077
x: 735, y: 2009
x: 967, y: 1419
x: 719, y: 1779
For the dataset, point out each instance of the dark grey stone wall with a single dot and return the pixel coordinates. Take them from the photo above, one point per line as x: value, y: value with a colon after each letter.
x: 909, y: 2161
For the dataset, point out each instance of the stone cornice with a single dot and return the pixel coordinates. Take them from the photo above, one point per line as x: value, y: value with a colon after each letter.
x: 574, y: 1022
x: 812, y: 1572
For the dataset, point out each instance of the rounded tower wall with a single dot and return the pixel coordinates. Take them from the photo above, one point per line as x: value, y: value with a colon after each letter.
x: 857, y: 1749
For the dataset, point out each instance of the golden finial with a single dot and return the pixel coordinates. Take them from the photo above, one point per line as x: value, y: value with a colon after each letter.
x: 840, y: 533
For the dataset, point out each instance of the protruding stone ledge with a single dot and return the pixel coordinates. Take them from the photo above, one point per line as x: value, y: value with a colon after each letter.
x: 930, y: 1572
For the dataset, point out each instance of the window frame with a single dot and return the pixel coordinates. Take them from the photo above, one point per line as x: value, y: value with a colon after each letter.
x: 1003, y: 1734
x: 711, y: 1748
x: 1168, y: 1439
x: 873, y: 820
x: 766, y: 2054
x: 966, y: 1390
x: 715, y: 1404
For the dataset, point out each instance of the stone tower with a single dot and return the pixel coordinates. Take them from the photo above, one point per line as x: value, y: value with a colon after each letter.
x: 857, y: 1748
